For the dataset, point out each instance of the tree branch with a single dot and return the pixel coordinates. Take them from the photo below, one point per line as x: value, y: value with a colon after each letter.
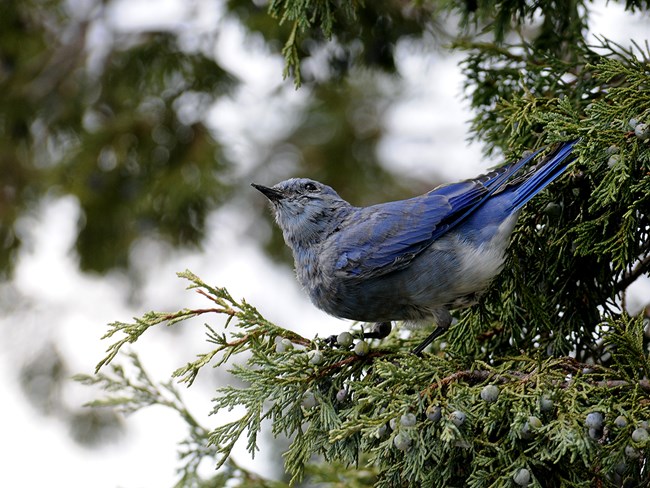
x: 630, y: 277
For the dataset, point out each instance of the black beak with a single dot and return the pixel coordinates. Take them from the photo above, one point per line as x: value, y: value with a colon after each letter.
x: 270, y: 193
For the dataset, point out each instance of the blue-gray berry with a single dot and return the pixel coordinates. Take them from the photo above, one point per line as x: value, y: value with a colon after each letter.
x: 613, y: 160
x: 490, y: 393
x: 531, y: 424
x: 344, y: 339
x: 457, y: 418
x: 642, y: 131
x: 283, y: 345
x: 522, y: 477
x: 361, y: 348
x: 545, y: 404
x: 594, y: 420
x: 640, y: 435
x: 595, y: 433
x: 434, y: 413
x: 402, y: 441
x: 341, y: 395
x: 407, y: 420
x: 315, y: 356
x: 309, y: 400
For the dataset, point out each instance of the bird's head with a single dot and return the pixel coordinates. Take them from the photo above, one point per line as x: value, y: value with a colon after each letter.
x: 306, y: 210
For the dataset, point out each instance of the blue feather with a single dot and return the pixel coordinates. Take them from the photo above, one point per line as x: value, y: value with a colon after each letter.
x: 386, y: 237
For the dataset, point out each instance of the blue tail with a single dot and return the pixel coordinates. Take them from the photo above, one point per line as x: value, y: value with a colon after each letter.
x: 542, y: 174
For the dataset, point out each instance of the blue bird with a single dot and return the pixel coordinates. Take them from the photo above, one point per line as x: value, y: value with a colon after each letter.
x: 411, y: 260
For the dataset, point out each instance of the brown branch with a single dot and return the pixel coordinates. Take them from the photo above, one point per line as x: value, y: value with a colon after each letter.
x: 628, y: 278
x: 200, y: 311
x: 488, y: 334
x: 479, y: 376
x: 475, y: 376
x: 348, y: 360
x: 643, y: 384
x: 245, y: 338
x: 208, y: 296
x: 297, y: 338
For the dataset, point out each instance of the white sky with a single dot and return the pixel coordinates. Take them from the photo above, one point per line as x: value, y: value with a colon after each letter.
x: 427, y: 132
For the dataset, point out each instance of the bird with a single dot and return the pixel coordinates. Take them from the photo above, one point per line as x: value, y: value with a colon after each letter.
x: 410, y: 260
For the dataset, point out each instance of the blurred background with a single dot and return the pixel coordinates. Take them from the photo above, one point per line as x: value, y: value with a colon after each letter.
x: 130, y: 132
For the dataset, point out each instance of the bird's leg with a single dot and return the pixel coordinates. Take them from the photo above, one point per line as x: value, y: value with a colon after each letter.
x: 437, y: 332
x: 379, y: 331
x: 443, y: 319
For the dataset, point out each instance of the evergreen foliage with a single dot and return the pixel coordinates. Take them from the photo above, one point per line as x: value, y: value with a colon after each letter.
x: 546, y: 381
x: 352, y: 409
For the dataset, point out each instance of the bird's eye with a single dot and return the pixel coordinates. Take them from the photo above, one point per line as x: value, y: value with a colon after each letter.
x: 310, y: 187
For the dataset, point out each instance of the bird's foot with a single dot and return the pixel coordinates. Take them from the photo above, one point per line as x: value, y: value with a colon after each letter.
x: 331, y: 340
x: 379, y: 331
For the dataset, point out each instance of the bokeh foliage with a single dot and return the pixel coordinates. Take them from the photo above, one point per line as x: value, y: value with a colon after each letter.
x: 116, y: 117
x: 101, y: 121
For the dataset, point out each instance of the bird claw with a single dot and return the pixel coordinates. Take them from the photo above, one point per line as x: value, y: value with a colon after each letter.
x: 331, y: 340
x: 379, y: 331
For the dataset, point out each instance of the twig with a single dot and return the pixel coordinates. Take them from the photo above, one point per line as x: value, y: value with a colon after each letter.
x: 199, y: 311
x: 629, y: 278
x: 348, y: 360
x: 643, y: 384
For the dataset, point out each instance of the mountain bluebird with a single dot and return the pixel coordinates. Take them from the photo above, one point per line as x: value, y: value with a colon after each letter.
x: 411, y: 260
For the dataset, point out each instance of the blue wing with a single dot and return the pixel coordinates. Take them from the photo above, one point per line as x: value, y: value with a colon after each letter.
x: 386, y: 237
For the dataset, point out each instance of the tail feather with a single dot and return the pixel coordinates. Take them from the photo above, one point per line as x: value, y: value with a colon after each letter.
x: 543, y: 174
x: 505, y: 180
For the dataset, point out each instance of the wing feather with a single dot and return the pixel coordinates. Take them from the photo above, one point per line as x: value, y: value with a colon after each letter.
x: 386, y: 237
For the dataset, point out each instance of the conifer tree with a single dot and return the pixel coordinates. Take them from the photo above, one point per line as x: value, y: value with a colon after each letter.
x: 546, y: 381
